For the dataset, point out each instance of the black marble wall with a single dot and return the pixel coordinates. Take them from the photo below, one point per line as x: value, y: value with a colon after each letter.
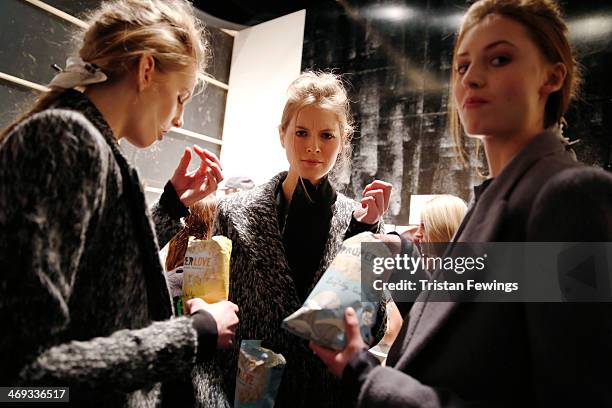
x: 397, y: 56
x: 32, y: 39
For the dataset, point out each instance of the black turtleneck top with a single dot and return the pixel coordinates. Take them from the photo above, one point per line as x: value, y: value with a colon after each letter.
x: 304, y: 224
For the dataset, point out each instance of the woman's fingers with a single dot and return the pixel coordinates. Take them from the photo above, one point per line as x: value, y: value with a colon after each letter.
x: 386, y: 189
x: 205, y: 154
x: 183, y: 163
x: 379, y: 199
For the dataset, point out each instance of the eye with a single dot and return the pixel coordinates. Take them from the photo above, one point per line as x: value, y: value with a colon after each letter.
x: 462, y: 68
x: 301, y: 133
x: 328, y: 135
x: 500, y: 60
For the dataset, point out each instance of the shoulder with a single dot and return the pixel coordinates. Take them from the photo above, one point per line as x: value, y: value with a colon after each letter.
x: 55, y: 150
x: 574, y: 205
x: 263, y: 195
x: 57, y: 132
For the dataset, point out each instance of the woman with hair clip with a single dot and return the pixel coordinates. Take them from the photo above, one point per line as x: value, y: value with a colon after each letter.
x: 513, y: 78
x: 286, y: 232
x: 82, y: 292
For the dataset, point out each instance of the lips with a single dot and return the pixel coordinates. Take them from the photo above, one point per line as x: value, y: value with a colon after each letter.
x: 312, y: 162
x: 474, y: 102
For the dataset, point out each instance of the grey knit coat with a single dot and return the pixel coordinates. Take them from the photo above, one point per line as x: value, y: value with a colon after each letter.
x: 261, y: 285
x: 80, y: 278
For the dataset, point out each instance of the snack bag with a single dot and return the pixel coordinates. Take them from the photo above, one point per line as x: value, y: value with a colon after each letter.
x: 206, y: 269
x: 321, y: 318
x: 259, y: 375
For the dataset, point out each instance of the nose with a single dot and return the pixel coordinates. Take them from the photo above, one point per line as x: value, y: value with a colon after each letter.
x: 473, y: 77
x: 313, y: 146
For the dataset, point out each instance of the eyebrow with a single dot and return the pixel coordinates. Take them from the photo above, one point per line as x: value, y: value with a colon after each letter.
x: 492, y: 45
x: 322, y: 130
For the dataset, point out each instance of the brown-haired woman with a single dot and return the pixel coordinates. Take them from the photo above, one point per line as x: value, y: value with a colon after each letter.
x: 81, y: 283
x: 513, y: 78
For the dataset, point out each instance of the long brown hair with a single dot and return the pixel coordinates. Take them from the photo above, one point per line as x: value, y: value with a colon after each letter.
x: 199, y: 224
x: 544, y: 22
x: 121, y: 31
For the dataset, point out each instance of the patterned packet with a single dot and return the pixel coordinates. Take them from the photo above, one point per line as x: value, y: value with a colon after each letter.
x: 321, y: 317
x: 206, y: 269
x: 259, y: 375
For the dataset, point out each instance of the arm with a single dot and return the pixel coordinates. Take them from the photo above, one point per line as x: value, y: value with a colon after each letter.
x: 167, y: 214
x: 46, y: 216
x: 366, y: 383
x: 571, y: 367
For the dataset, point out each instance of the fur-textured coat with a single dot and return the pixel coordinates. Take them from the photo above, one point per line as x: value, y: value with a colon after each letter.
x: 261, y: 285
x: 81, y: 281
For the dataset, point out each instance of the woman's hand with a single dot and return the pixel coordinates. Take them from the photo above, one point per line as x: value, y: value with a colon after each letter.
x: 336, y: 360
x: 225, y: 315
x: 374, y: 203
x: 193, y: 186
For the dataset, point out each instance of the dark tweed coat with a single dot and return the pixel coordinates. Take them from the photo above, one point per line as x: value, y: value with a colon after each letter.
x: 81, y: 281
x: 262, y: 286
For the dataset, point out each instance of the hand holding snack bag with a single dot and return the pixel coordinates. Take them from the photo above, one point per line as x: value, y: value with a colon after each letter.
x: 259, y: 375
x: 206, y: 269
x: 321, y: 318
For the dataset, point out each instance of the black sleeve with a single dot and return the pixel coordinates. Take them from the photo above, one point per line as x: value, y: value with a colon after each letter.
x: 356, y: 227
x: 171, y: 203
x: 355, y: 373
x: 206, y: 327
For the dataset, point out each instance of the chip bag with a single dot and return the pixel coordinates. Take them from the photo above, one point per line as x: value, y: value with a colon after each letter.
x: 259, y: 375
x: 321, y: 317
x: 206, y: 269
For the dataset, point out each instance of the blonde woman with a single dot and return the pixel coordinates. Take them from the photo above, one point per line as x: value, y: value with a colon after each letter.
x: 440, y: 219
x: 286, y: 232
x: 83, y: 297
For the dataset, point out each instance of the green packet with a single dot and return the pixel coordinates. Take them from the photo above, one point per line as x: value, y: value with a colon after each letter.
x: 260, y: 372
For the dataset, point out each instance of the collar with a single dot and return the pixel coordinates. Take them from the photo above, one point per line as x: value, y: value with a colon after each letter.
x: 545, y: 144
x: 74, y: 100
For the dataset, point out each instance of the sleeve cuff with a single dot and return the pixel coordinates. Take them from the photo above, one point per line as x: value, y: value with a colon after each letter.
x: 357, y: 227
x: 171, y: 203
x: 355, y: 373
x: 206, y: 328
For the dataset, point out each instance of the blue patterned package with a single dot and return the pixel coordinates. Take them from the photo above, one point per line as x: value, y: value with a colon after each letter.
x: 260, y: 372
x: 321, y: 317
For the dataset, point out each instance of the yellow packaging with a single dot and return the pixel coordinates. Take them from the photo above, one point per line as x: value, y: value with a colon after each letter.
x: 206, y: 269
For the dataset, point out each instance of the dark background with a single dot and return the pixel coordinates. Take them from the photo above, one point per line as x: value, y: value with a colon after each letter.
x: 396, y: 57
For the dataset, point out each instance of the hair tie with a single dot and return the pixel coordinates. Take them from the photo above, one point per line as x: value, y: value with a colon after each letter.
x: 78, y: 73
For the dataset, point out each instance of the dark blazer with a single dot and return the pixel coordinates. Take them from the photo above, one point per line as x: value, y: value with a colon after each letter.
x: 508, y: 354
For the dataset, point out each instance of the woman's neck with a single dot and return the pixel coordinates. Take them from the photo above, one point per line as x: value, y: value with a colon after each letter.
x: 114, y: 109
x: 501, y: 149
x: 291, y: 182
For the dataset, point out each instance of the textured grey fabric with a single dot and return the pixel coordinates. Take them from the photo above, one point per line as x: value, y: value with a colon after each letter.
x: 262, y: 286
x: 80, y: 279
